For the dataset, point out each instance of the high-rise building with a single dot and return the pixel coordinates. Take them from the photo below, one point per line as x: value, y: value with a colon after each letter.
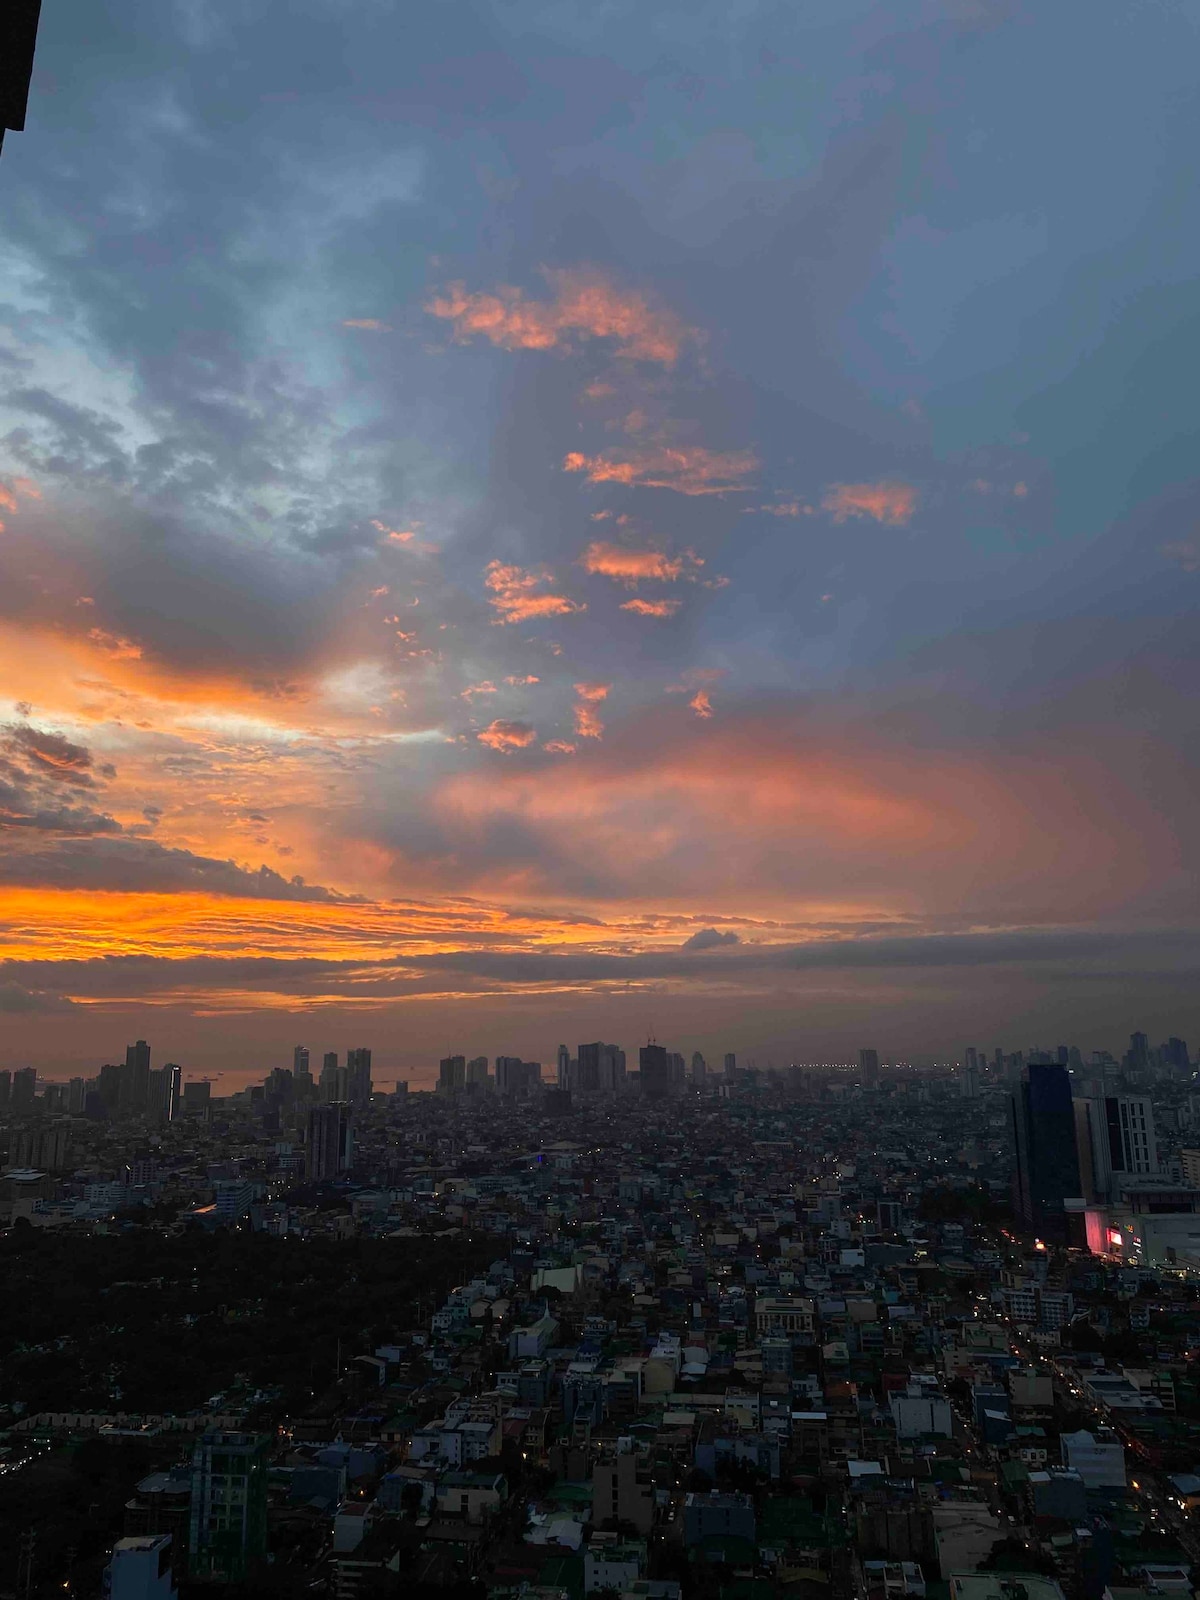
x: 135, y: 1081
x: 1175, y: 1054
x: 330, y: 1144
x: 654, y: 1068
x: 327, y: 1084
x: 24, y: 1089
x: 300, y: 1062
x: 197, y: 1097
x: 452, y: 1074
x: 563, y: 1074
x: 162, y: 1096
x: 76, y: 1096
x: 1115, y: 1139
x: 228, y: 1524
x: 1047, y: 1156
x: 477, y: 1073
x: 589, y: 1069
x: 5, y: 1089
x: 730, y: 1064
x: 699, y: 1068
x: 868, y: 1066
x: 970, y: 1077
x: 358, y: 1077
x: 516, y: 1077
x: 612, y: 1068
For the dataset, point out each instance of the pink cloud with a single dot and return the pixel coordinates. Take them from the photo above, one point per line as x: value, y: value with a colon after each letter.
x: 393, y: 535
x: 506, y: 736
x: 701, y: 704
x: 690, y: 470
x: 520, y: 683
x: 652, y: 608
x: 486, y: 687
x: 632, y: 567
x: 587, y: 721
x: 560, y: 747
x: 518, y: 596
x: 887, y: 502
x: 584, y: 303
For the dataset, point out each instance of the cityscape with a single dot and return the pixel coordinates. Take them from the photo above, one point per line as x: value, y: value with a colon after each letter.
x: 873, y: 1328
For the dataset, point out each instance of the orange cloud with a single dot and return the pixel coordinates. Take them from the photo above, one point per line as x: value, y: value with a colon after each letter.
x: 506, y: 736
x: 690, y: 470
x: 584, y: 303
x: 370, y: 323
x: 516, y: 596
x: 652, y: 608
x: 393, y: 535
x: 560, y: 747
x: 115, y: 645
x: 520, y: 683
x: 889, y: 502
x: 701, y: 704
x: 632, y: 567
x: 587, y: 722
x: 486, y: 687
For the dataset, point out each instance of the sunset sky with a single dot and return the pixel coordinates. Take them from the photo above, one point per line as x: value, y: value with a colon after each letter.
x: 541, y: 520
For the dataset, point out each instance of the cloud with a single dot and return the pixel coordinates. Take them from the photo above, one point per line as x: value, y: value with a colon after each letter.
x: 701, y: 704
x: 632, y: 567
x: 120, y: 864
x: 393, y: 535
x: 519, y: 596
x: 689, y: 470
x: 587, y: 721
x: 49, y: 755
x: 368, y: 323
x: 709, y: 939
x: 115, y: 645
x: 584, y: 303
x: 505, y: 736
x: 560, y: 747
x: 1185, y: 553
x: 521, y: 680
x: 16, y: 998
x: 652, y: 608
x: 888, y: 502
x: 486, y: 687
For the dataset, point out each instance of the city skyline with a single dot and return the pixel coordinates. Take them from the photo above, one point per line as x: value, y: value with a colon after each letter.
x: 682, y: 524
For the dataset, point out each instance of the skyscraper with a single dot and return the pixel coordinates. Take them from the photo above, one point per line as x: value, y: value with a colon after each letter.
x: 300, y: 1064
x: 589, y: 1068
x: 135, y: 1080
x: 699, y: 1068
x: 330, y: 1146
x: 730, y: 1064
x: 868, y: 1066
x: 228, y: 1527
x: 327, y: 1087
x: 477, y: 1073
x: 24, y: 1089
x: 654, y: 1066
x: 1047, y: 1165
x: 452, y: 1073
x: 358, y: 1077
x: 563, y: 1076
x: 1115, y: 1139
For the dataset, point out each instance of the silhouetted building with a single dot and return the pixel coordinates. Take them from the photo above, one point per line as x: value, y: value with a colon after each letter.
x: 1047, y: 1165
x: 330, y: 1145
x: 24, y: 1089
x: 654, y: 1065
x: 358, y: 1077
x: 452, y: 1073
x: 18, y: 38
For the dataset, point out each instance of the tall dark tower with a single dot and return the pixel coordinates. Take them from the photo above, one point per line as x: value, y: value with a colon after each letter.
x: 1047, y: 1171
x: 18, y: 36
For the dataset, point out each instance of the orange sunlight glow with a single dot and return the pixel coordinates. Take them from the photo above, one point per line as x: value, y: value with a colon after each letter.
x: 690, y: 470
x: 891, y: 503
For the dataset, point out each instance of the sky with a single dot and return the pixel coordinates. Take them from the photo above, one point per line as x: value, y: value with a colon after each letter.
x: 528, y: 520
